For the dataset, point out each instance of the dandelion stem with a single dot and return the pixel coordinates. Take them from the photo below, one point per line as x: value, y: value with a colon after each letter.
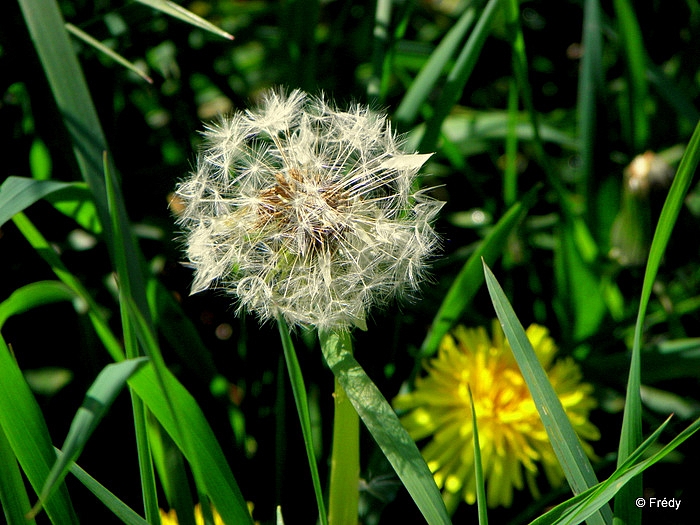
x: 345, y: 458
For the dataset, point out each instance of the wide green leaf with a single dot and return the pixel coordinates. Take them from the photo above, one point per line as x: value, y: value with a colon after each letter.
x: 18, y: 193
x: 14, y: 500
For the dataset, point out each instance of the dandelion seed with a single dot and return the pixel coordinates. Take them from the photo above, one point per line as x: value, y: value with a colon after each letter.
x: 511, y: 434
x: 308, y: 212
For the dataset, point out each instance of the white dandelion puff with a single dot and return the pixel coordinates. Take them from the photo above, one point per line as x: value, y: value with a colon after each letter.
x: 308, y: 212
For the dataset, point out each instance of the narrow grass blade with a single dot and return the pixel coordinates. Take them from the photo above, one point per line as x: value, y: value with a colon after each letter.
x: 384, y: 425
x: 590, y: 82
x: 94, y: 312
x: 18, y: 193
x: 567, y: 447
x: 179, y: 12
x: 32, y: 295
x: 459, y: 75
x: 580, y: 507
x: 24, y: 426
x: 478, y: 468
x: 120, y: 509
x: 98, y: 400
x: 471, y: 275
x: 200, y: 447
x: 122, y: 236
x: 14, y: 500
x: 299, y: 390
x: 637, y: 90
x: 631, y: 433
x: 428, y: 77
x: 62, y: 69
x: 82, y: 35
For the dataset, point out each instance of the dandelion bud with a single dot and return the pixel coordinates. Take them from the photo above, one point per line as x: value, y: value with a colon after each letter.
x: 306, y: 212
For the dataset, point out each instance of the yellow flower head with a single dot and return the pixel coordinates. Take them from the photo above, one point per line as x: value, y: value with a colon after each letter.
x: 511, y: 434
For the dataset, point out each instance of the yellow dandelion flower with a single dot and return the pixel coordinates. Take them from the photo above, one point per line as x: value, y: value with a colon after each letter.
x: 170, y: 517
x: 511, y: 434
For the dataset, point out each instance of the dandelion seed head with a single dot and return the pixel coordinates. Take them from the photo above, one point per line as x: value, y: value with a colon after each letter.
x: 305, y: 211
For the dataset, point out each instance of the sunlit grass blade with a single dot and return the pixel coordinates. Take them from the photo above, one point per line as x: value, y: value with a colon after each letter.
x: 178, y: 413
x: 631, y: 433
x: 14, y: 500
x: 32, y: 295
x: 478, y: 468
x: 459, y: 75
x: 428, y: 77
x: 120, y: 509
x: 637, y: 91
x: 385, y: 427
x: 25, y: 429
x: 98, y: 400
x: 122, y: 235
x: 82, y: 35
x: 200, y: 447
x: 471, y: 276
x: 565, y: 442
x: 94, y: 312
x: 299, y: 390
x: 179, y: 12
x: 578, y: 508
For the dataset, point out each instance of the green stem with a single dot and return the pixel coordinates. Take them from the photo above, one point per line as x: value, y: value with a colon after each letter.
x: 345, y: 459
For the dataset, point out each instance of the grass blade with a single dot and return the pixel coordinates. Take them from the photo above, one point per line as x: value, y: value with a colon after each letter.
x: 82, y: 35
x: 631, y: 433
x: 565, y: 442
x: 429, y: 75
x: 120, y: 509
x: 481, y: 504
x: 380, y: 419
x: 24, y: 426
x: 33, y: 295
x: 18, y: 193
x: 98, y: 400
x: 179, y: 12
x: 471, y: 275
x: 300, y: 398
x: 94, y: 312
x: 458, y: 77
x: 14, y: 500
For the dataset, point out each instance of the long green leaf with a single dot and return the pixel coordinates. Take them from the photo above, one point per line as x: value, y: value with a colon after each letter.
x: 631, y: 433
x: 179, y: 12
x: 459, y: 75
x: 567, y: 447
x: 379, y: 418
x: 471, y: 276
x: 25, y: 428
x: 94, y: 312
x: 18, y: 193
x: 32, y: 295
x: 429, y: 75
x: 14, y: 500
x: 201, y: 446
x: 98, y: 400
x: 299, y: 390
